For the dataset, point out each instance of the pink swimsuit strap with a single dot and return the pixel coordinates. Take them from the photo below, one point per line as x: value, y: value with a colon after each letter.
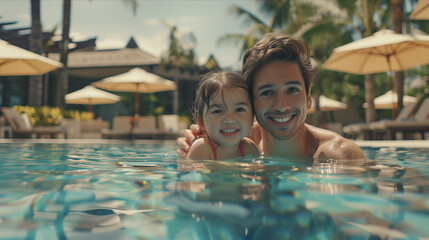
x: 214, y: 150
x: 241, y: 149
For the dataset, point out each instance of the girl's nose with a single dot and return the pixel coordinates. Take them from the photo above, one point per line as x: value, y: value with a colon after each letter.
x: 229, y: 118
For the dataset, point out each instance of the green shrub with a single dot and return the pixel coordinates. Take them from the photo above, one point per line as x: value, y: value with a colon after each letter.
x: 51, y: 116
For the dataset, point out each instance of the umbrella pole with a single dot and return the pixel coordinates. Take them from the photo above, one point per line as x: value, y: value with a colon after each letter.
x: 392, y: 87
x: 136, y: 104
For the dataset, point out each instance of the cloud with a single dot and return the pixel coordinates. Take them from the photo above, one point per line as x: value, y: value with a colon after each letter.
x: 111, y: 42
x: 151, y: 22
x: 156, y: 44
x: 188, y: 19
x: 26, y: 18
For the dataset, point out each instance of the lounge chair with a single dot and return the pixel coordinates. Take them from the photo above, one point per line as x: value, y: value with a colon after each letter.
x: 22, y: 128
x: 146, y: 128
x: 169, y: 126
x: 121, y: 128
x: 417, y: 124
x: 369, y: 131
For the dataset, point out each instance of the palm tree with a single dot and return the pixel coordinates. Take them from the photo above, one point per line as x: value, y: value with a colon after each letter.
x: 180, y: 51
x: 62, y: 81
x: 397, y: 13
x: 36, y: 45
x: 257, y: 29
x: 63, y: 72
x: 365, y: 12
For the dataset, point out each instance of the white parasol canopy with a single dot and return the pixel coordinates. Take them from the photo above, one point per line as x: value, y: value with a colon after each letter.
x: 16, y: 61
x: 389, y: 101
x: 90, y: 95
x: 327, y: 104
x: 136, y: 80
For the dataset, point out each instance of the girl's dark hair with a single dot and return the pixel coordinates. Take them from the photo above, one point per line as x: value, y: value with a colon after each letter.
x: 209, y: 86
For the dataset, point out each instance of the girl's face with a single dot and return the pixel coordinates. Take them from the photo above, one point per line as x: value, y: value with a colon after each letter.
x: 228, y: 118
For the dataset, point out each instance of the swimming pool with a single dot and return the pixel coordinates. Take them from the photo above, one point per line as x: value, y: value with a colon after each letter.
x: 140, y: 191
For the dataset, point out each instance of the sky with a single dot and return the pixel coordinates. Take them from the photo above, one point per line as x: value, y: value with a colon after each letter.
x: 113, y: 23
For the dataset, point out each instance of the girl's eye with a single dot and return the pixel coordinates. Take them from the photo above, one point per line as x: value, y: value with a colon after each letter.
x: 240, y: 109
x: 216, y: 111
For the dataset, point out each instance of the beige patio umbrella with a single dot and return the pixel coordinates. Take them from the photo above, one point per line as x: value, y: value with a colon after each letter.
x: 384, y: 51
x: 327, y: 104
x: 389, y: 100
x: 136, y: 80
x: 421, y: 11
x: 16, y: 61
x: 90, y: 95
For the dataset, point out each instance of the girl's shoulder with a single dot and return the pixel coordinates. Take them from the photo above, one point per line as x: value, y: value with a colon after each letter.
x: 200, y: 149
x: 249, y: 147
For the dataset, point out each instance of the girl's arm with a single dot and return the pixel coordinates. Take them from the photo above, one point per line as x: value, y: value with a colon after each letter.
x: 200, y: 150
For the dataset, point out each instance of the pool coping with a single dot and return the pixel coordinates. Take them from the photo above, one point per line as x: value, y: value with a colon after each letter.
x: 88, y: 141
x: 394, y: 143
x: 361, y: 143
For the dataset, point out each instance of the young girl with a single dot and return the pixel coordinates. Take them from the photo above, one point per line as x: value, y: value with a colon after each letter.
x: 224, y: 114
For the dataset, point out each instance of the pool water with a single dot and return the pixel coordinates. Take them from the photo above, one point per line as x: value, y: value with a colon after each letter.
x: 141, y: 191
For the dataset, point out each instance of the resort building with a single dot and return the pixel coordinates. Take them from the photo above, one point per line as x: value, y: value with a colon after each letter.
x: 86, y: 64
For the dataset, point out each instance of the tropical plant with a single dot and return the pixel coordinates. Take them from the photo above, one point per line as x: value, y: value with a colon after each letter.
x: 41, y: 116
x: 180, y: 51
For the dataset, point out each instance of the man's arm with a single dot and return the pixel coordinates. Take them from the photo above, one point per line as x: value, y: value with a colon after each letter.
x: 185, y: 142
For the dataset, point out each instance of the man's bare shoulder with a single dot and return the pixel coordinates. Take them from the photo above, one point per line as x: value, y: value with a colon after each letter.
x: 250, y: 147
x: 331, y: 145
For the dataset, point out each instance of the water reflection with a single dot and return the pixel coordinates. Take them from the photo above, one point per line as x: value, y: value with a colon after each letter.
x: 331, y: 199
x: 54, y: 191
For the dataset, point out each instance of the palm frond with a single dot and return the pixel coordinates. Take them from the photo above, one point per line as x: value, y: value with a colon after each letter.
x: 249, y: 17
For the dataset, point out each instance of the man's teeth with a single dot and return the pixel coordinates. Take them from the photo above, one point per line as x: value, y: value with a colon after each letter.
x: 282, y: 119
x: 229, y: 130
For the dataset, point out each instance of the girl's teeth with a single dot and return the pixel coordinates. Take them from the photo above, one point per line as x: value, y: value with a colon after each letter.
x: 282, y: 120
x: 229, y: 130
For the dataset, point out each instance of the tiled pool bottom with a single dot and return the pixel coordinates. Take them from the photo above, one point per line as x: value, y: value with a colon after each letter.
x: 80, y: 191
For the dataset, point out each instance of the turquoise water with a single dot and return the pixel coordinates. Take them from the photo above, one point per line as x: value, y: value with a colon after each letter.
x: 81, y: 191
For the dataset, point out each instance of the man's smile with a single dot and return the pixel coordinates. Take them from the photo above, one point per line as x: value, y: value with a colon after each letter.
x: 281, y: 119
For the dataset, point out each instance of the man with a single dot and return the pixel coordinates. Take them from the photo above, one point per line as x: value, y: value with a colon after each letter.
x: 279, y: 73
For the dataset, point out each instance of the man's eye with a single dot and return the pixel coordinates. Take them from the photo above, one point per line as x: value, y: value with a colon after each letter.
x: 293, y: 90
x: 266, y: 93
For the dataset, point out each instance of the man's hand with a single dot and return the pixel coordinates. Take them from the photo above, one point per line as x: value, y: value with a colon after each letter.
x: 188, y: 137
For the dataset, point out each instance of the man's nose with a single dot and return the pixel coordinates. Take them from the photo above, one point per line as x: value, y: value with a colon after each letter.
x: 281, y: 102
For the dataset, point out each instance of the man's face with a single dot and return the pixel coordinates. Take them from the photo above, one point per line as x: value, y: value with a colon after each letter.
x: 280, y: 99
